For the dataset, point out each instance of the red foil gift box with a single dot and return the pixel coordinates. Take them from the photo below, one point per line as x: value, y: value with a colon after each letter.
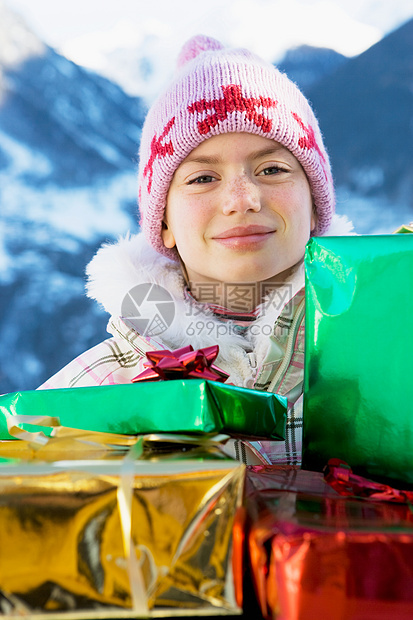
x: 315, y: 554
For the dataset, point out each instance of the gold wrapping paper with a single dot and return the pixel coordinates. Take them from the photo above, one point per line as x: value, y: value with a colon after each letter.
x: 65, y: 535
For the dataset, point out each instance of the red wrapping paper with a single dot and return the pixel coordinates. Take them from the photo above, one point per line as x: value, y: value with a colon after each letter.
x: 182, y: 363
x: 315, y: 554
x: 339, y: 475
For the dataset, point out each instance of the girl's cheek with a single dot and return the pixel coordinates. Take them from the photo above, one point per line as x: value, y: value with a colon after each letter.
x: 199, y: 212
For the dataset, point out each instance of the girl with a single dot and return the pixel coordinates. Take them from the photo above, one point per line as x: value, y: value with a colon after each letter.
x: 233, y: 180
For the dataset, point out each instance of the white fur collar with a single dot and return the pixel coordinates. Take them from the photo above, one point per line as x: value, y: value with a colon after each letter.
x: 117, y: 268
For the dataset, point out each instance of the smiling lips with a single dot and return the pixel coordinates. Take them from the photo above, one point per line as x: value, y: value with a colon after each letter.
x: 241, y: 237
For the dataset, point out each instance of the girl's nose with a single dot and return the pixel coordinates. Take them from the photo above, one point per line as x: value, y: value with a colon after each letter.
x: 241, y: 195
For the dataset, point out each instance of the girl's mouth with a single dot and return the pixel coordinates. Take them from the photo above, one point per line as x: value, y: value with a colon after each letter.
x: 242, y: 237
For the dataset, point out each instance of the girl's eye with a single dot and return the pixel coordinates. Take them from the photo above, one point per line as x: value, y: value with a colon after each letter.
x: 204, y: 178
x: 272, y: 170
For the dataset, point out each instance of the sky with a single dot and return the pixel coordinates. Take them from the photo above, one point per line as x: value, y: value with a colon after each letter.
x: 136, y: 42
x: 82, y: 28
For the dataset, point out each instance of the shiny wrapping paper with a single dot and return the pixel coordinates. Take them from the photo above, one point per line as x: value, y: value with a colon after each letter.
x: 120, y: 538
x: 181, y: 363
x: 315, y: 554
x: 179, y: 406
x: 359, y: 354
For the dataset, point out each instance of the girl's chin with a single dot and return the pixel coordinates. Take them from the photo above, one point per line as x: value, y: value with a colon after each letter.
x: 240, y: 279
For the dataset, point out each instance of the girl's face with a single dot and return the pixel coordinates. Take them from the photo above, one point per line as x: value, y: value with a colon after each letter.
x: 239, y: 210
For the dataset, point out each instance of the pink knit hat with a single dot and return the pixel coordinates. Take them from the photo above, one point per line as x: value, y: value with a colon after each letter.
x: 219, y: 90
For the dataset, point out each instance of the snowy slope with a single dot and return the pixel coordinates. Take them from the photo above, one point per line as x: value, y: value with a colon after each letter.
x: 68, y: 144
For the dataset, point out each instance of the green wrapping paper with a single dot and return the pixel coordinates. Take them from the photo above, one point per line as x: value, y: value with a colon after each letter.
x: 359, y: 354
x: 180, y: 406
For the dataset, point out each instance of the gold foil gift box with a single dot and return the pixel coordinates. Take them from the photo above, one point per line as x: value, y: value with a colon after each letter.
x: 120, y: 538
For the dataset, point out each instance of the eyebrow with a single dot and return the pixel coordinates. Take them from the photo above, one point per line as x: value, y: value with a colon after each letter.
x: 216, y: 159
x: 264, y: 152
x: 202, y: 160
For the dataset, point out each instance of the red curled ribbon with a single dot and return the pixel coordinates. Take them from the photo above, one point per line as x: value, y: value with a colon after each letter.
x: 339, y: 475
x: 181, y: 364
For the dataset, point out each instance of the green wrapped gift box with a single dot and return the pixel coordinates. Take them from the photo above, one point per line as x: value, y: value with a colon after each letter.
x: 178, y: 406
x: 359, y: 354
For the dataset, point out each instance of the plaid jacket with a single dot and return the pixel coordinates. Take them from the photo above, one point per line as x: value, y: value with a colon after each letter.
x: 120, y: 358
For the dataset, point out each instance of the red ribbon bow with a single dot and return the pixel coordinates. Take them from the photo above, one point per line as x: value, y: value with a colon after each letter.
x: 340, y: 476
x: 181, y: 364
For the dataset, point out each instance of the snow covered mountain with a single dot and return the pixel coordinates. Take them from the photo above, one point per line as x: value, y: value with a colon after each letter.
x: 307, y: 65
x: 68, y: 143
x: 365, y: 108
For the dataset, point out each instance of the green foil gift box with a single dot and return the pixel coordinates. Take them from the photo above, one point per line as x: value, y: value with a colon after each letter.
x: 177, y: 406
x: 359, y: 354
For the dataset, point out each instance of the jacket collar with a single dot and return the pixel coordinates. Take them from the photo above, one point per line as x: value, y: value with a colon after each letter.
x: 117, y: 268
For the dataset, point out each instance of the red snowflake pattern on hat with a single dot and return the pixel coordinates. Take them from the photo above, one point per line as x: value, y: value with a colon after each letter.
x: 232, y: 101
x: 158, y: 150
x: 308, y: 141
